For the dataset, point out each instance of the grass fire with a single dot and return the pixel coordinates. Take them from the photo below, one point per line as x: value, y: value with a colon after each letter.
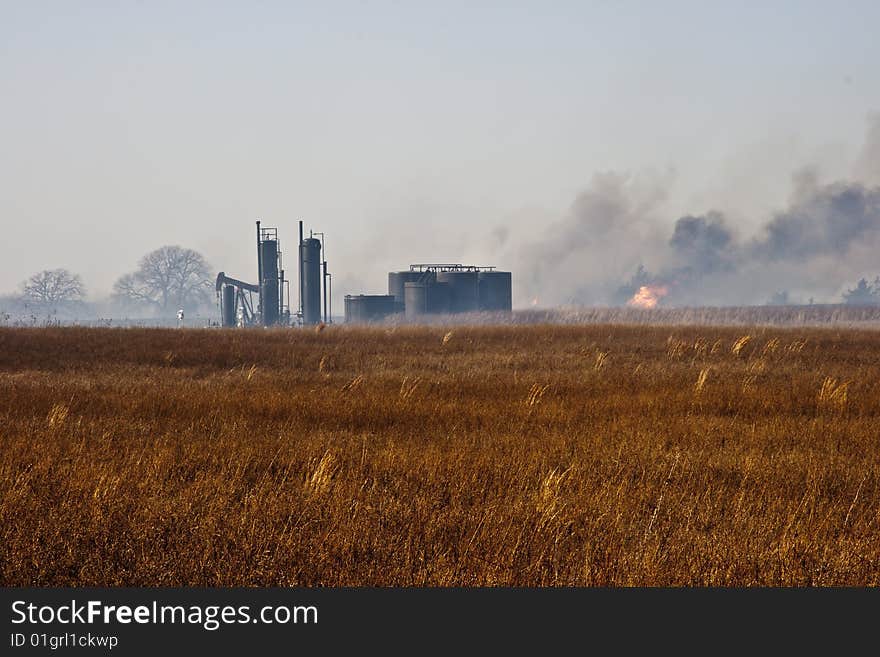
x: 648, y: 296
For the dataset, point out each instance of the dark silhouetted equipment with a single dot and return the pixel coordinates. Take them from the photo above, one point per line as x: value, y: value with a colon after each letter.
x: 456, y: 288
x: 423, y: 289
x: 426, y: 298
x: 312, y: 271
x: 366, y: 308
x: 397, y: 280
x: 439, y: 289
x: 415, y: 296
x: 227, y: 306
x: 272, y: 289
x: 495, y: 291
x: 464, y: 294
x: 236, y: 302
x: 272, y: 309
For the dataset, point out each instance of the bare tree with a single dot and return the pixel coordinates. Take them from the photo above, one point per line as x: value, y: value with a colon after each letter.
x: 55, y: 286
x: 129, y: 290
x: 168, y: 278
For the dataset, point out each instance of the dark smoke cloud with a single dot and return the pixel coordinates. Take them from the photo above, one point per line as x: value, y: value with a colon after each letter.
x: 821, y: 235
x: 823, y: 220
x: 822, y: 243
x: 703, y: 243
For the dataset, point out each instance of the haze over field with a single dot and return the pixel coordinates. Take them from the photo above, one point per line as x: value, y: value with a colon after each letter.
x: 732, y: 151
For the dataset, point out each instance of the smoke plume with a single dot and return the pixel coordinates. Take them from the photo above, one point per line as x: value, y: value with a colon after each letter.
x: 598, y: 240
x: 611, y: 244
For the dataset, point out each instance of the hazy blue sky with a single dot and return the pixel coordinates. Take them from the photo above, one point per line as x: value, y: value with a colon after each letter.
x: 405, y: 131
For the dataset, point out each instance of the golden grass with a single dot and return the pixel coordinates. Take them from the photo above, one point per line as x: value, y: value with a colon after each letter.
x: 532, y: 455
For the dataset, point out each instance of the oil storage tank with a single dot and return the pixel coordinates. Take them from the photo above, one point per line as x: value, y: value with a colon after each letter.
x: 398, y: 279
x: 365, y: 308
x: 269, y: 282
x: 463, y: 290
x: 438, y: 298
x: 425, y: 298
x: 310, y: 263
x: 415, y: 299
x: 495, y: 291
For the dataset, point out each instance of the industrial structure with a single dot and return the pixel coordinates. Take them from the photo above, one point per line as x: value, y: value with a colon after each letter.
x: 423, y: 289
x: 361, y: 308
x: 238, y: 307
x: 434, y: 289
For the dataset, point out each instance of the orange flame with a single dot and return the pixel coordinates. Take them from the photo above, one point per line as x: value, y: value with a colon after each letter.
x: 648, y: 296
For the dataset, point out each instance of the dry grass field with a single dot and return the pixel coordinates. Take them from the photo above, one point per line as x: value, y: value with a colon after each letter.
x: 527, y: 455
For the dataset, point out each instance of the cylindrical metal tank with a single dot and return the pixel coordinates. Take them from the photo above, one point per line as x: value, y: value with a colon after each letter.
x: 364, y: 308
x: 438, y: 298
x: 227, y: 306
x: 415, y: 299
x: 495, y: 291
x: 397, y: 280
x: 463, y: 290
x: 425, y: 298
x: 269, y: 281
x: 310, y: 271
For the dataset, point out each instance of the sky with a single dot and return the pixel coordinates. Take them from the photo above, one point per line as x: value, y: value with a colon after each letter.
x: 410, y: 132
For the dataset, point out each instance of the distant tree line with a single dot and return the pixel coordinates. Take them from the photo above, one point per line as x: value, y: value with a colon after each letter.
x: 864, y: 293
x: 166, y: 279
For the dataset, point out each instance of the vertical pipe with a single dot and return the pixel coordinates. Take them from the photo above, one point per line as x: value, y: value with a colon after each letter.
x: 330, y: 281
x: 280, y: 282
x: 326, y: 318
x: 281, y: 294
x: 299, y: 255
x: 259, y: 273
